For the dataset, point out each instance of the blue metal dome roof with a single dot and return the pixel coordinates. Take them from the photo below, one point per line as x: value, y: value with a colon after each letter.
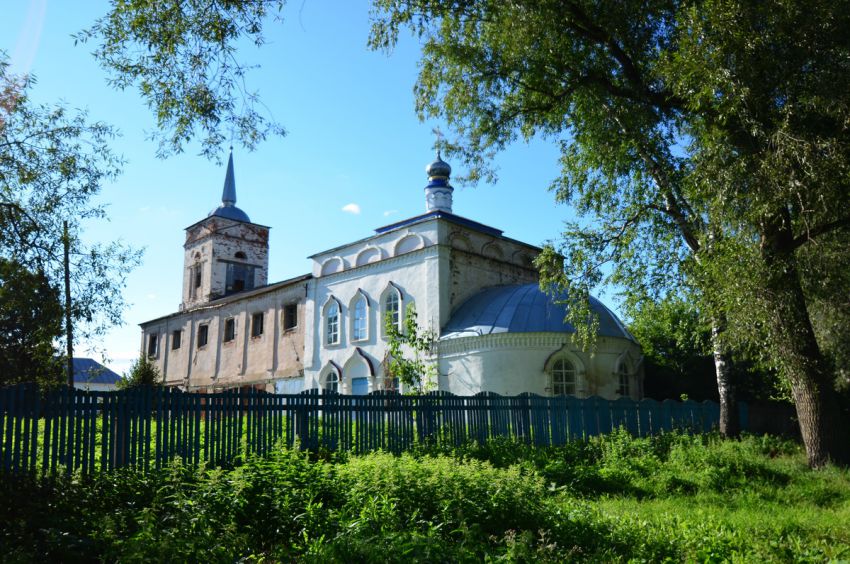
x: 230, y: 212
x: 522, y: 309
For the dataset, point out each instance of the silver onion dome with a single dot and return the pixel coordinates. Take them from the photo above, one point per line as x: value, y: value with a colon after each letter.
x: 439, y: 168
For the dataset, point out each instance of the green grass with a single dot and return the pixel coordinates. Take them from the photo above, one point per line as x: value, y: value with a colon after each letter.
x: 674, y: 497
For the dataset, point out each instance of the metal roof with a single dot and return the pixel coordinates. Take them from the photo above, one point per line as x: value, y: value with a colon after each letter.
x: 522, y: 309
x: 90, y: 371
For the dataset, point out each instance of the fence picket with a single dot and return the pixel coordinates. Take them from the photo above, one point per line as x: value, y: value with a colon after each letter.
x: 148, y: 427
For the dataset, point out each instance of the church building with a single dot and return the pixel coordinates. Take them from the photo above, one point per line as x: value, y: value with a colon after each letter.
x: 473, y: 287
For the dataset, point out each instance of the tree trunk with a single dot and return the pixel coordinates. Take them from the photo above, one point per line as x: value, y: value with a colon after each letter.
x: 795, y: 346
x: 730, y: 425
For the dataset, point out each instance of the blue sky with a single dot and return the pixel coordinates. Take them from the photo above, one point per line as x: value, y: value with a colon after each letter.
x: 354, y: 144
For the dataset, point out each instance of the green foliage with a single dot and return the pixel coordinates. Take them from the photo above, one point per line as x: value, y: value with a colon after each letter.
x: 408, y: 350
x: 181, y: 55
x: 30, y: 323
x: 612, y: 498
x: 53, y: 163
x: 676, y: 344
x: 143, y: 372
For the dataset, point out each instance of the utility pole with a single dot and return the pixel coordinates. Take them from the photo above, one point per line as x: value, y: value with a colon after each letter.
x: 69, y: 331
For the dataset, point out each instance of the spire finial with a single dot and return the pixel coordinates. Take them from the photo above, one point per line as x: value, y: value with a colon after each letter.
x: 439, y: 142
x: 228, y: 195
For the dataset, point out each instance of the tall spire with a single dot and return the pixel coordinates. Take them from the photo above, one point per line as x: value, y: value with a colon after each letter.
x: 228, y: 195
x: 228, y: 207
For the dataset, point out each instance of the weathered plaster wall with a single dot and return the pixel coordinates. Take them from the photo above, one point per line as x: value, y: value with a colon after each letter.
x: 211, y: 243
x: 245, y: 360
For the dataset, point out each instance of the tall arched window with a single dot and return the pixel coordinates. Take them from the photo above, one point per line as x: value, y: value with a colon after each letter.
x: 359, y: 320
x: 563, y: 378
x: 623, y: 387
x: 392, y: 308
x: 332, y: 323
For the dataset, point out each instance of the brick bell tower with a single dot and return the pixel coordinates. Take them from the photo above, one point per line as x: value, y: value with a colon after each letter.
x: 224, y: 253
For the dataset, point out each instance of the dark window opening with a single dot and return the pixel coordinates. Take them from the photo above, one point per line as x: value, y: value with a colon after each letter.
x: 239, y: 277
x: 290, y: 316
x: 197, y: 277
x: 203, y: 335
x: 240, y: 255
x: 256, y: 324
x: 152, y: 339
x: 229, y: 329
x: 175, y: 339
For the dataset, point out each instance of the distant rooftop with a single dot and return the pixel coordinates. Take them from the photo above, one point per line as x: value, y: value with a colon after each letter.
x: 90, y: 371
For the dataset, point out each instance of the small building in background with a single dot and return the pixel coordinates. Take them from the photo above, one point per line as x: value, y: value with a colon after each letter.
x: 91, y: 375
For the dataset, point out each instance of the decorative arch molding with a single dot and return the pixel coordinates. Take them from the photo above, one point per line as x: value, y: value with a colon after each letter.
x: 565, y: 353
x: 627, y: 360
x: 360, y: 293
x: 331, y: 299
x: 493, y: 250
x: 369, y: 255
x: 329, y: 372
x: 522, y: 258
x: 409, y: 243
x: 360, y: 357
x: 458, y: 240
x: 332, y: 266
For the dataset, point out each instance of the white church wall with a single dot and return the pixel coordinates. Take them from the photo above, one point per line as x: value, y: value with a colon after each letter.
x: 416, y: 276
x: 511, y: 364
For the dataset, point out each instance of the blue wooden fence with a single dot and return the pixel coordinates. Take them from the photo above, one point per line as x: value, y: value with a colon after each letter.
x: 75, y: 430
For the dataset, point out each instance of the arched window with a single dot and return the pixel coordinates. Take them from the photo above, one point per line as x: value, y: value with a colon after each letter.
x: 240, y: 255
x: 392, y: 308
x: 332, y: 323
x: 623, y: 387
x: 563, y: 378
x: 332, y: 382
x: 359, y: 319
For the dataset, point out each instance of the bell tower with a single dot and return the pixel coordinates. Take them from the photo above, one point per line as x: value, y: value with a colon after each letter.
x: 225, y: 252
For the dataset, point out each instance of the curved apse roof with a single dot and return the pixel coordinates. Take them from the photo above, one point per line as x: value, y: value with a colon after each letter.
x: 522, y: 309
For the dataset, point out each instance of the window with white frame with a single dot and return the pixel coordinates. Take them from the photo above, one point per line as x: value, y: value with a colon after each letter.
x: 332, y: 383
x: 332, y: 323
x: 563, y: 378
x: 623, y: 387
x: 392, y: 308
x: 359, y: 319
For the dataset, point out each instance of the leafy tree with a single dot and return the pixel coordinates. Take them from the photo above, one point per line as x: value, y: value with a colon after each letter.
x: 706, y: 139
x: 142, y: 373
x: 30, y: 324
x: 181, y: 55
x: 678, y: 357
x: 52, y: 164
x: 408, y: 350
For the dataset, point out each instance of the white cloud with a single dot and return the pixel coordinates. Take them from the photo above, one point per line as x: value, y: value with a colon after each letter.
x: 351, y: 208
x: 390, y: 212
